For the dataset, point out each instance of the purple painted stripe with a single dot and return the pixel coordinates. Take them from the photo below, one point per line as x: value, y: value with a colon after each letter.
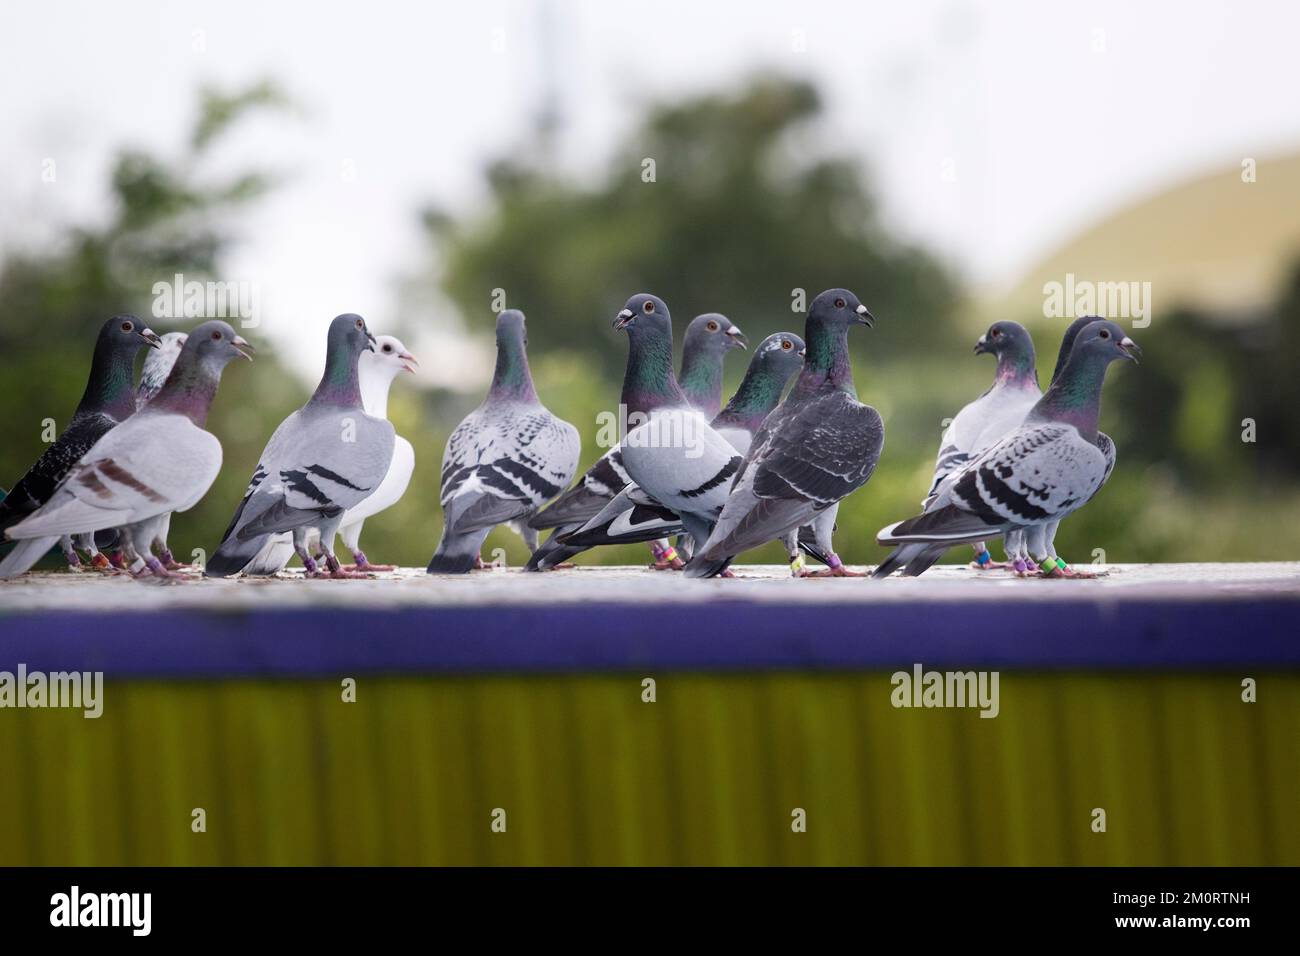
x: 720, y: 636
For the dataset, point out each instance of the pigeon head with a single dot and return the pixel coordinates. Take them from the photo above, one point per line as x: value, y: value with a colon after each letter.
x: 644, y: 314
x: 1067, y: 341
x: 215, y: 343
x: 388, y: 359
x: 781, y: 353
x: 1103, y: 342
x: 1013, y: 347
x: 713, y: 333
x: 839, y: 307
x: 127, y: 334
x: 349, y: 335
x: 111, y: 386
x: 512, y: 327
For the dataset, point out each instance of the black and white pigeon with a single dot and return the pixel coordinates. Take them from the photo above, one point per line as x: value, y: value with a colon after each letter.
x: 1104, y: 443
x: 504, y: 461
x: 992, y: 416
x: 641, y: 512
x: 159, y: 460
x: 649, y: 384
x: 109, y: 398
x: 1046, y: 469
x: 375, y: 371
x: 706, y: 343
x: 327, y: 457
x: 817, y: 447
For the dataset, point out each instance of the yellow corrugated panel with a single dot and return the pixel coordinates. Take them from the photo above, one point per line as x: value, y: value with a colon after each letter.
x: 586, y: 773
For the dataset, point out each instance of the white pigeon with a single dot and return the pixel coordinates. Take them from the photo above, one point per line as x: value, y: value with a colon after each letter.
x: 377, y: 370
x: 159, y: 460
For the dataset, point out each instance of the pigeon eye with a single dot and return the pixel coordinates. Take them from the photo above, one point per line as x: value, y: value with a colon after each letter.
x: 360, y: 324
x: 996, y: 333
x: 840, y: 303
x: 388, y: 348
x: 127, y: 326
x: 1104, y: 334
x: 712, y: 326
x: 648, y: 307
x: 216, y: 336
x: 786, y: 344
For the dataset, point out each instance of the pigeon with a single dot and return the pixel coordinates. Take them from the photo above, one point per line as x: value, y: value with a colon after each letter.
x: 505, y: 460
x: 1045, y: 469
x: 648, y: 384
x: 324, y: 459
x: 818, y: 446
x: 1104, y: 443
x: 376, y: 370
x: 992, y: 416
x: 107, y: 400
x: 640, y: 513
x: 159, y: 460
x: 708, y: 339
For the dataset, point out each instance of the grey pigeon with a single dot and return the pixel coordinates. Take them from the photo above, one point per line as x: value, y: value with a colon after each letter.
x: 505, y: 460
x: 637, y: 514
x: 1046, y: 469
x: 376, y: 370
x: 817, y: 447
x: 107, y: 400
x: 649, y: 383
x: 158, y: 461
x: 995, y: 414
x: 708, y: 339
x: 325, y: 458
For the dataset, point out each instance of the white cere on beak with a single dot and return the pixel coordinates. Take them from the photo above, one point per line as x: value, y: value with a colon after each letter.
x: 862, y: 310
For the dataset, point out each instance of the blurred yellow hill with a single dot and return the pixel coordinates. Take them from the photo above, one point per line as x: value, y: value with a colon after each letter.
x: 1216, y: 242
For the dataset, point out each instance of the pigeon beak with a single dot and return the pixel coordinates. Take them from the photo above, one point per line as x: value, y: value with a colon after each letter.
x: 803, y: 352
x: 865, y: 317
x: 1130, y: 348
x: 624, y: 319
x: 242, y: 347
x: 982, y: 345
x: 409, y: 362
x: 150, y: 336
x: 737, y: 337
x: 371, y: 340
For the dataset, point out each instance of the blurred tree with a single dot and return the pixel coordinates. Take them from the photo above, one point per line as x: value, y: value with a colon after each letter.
x: 166, y: 216
x: 718, y: 203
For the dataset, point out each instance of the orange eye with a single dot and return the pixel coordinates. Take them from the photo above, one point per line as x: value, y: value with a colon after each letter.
x: 787, y: 344
x: 648, y: 307
x: 712, y: 326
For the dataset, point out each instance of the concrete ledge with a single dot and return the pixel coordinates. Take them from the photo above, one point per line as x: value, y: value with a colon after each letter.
x: 1165, y: 617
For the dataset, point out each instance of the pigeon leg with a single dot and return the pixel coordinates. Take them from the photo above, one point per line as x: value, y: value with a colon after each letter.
x: 984, y: 560
x: 665, y: 556
x: 335, y: 570
x: 70, y: 553
x: 834, y: 569
x: 361, y: 563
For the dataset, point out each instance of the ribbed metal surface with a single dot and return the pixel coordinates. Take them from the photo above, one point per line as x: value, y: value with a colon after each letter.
x: 709, y: 774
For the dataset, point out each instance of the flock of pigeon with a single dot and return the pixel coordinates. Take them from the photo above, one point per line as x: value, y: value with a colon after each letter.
x: 722, y: 480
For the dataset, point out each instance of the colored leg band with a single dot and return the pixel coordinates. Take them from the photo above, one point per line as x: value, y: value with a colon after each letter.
x: 1060, y: 563
x: 1048, y: 565
x: 835, y: 562
x: 983, y: 558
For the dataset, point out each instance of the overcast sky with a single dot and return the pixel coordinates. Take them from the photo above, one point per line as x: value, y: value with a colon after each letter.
x: 994, y: 130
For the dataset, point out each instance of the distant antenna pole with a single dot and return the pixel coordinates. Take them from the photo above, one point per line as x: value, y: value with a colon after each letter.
x: 547, y: 120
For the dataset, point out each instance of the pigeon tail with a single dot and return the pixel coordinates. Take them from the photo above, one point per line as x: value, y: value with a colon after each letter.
x: 552, y: 552
x: 26, y: 553
x: 699, y: 567
x: 457, y: 553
